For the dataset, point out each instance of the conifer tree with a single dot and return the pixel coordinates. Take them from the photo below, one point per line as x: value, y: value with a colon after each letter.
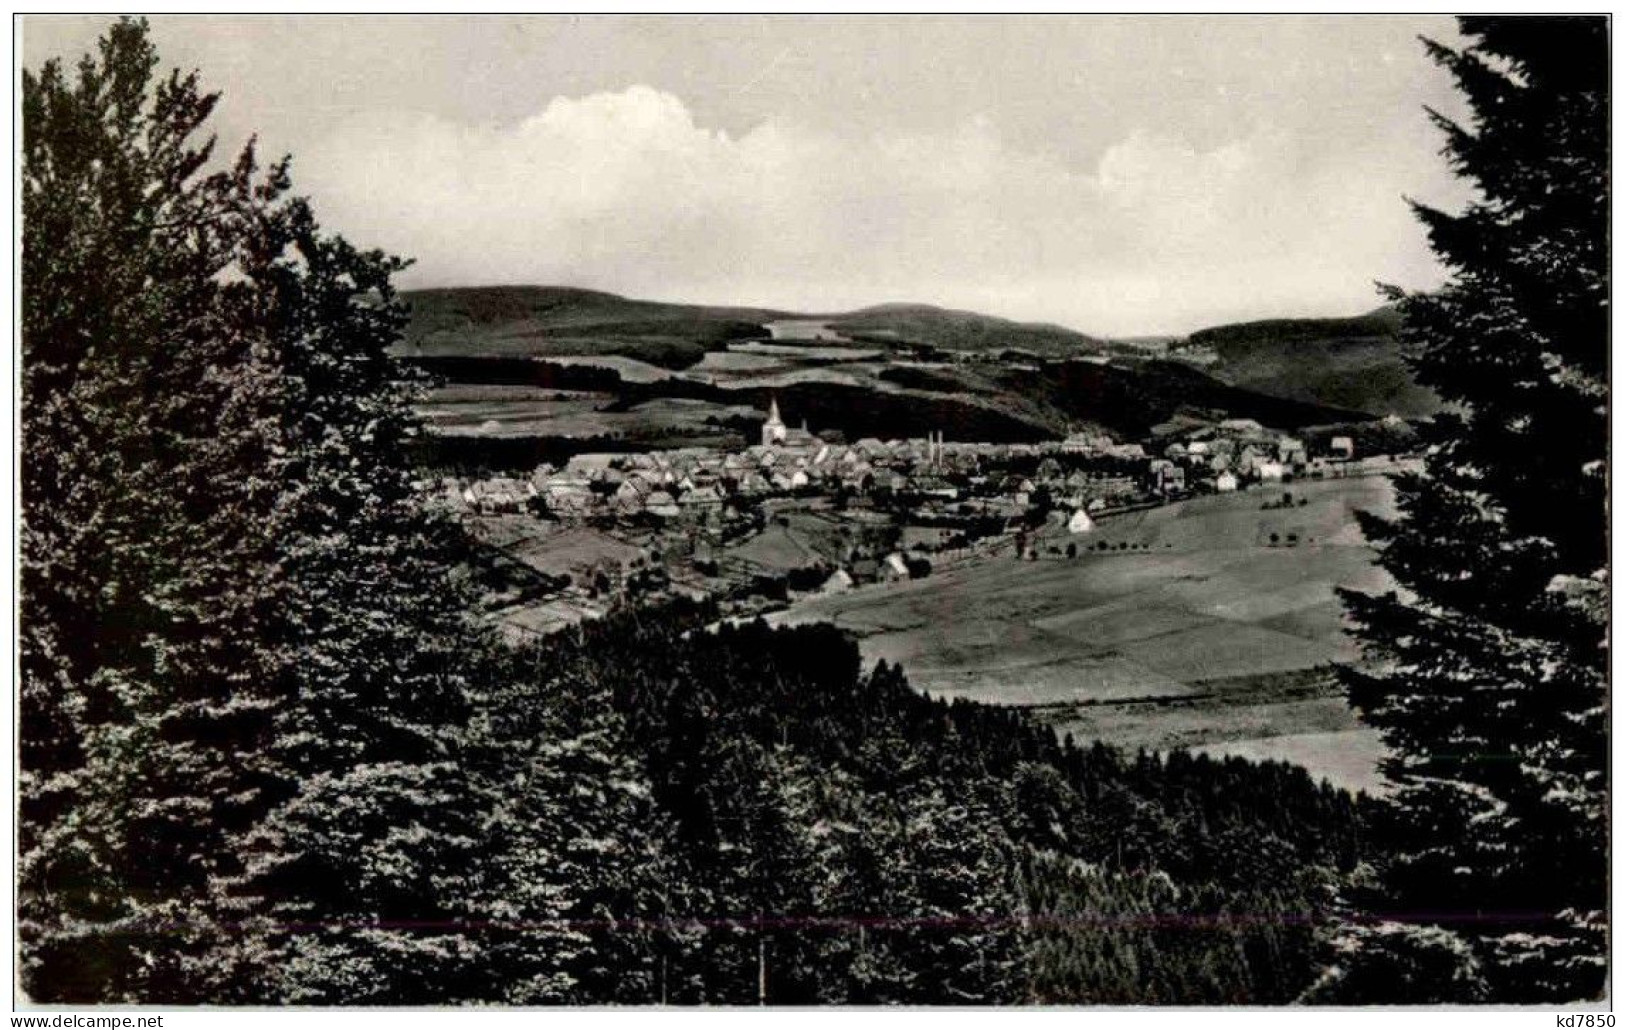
x: 581, y: 886
x: 1485, y: 670
x: 969, y: 945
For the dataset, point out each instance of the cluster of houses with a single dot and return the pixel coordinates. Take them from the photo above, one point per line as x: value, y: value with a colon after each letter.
x: 1240, y: 450
x: 704, y: 486
x: 695, y: 484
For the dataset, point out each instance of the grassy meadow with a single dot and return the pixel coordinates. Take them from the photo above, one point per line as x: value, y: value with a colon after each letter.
x: 1202, y: 633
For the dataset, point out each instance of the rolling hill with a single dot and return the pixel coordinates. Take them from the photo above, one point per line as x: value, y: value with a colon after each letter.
x: 921, y: 325
x: 558, y: 321
x: 1352, y: 363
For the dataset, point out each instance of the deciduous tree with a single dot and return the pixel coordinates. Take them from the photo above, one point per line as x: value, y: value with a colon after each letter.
x: 244, y: 656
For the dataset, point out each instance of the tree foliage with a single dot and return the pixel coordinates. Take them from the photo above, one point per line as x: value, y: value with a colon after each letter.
x: 830, y: 835
x: 1486, y: 669
x: 241, y: 691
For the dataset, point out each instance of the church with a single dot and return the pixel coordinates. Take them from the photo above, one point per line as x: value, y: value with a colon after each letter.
x: 776, y: 434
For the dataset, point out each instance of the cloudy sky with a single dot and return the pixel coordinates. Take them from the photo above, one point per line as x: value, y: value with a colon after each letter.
x: 1121, y: 175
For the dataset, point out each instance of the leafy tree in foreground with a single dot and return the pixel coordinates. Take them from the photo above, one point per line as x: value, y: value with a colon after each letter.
x: 242, y: 655
x: 1486, y: 668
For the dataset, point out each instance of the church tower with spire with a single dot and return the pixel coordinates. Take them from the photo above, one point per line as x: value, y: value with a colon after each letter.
x: 773, y: 430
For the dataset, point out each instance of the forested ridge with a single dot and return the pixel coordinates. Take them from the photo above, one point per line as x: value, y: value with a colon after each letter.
x: 815, y: 832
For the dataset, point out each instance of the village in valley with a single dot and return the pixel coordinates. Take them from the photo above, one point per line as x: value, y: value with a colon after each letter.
x: 802, y: 513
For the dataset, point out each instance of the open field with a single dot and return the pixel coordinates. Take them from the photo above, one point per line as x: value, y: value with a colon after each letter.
x: 518, y: 411
x: 486, y: 393
x: 571, y: 551
x: 1205, y: 597
x: 572, y: 416
x: 799, y: 533
x: 1346, y: 757
x: 808, y: 353
x: 1297, y: 716
x: 776, y: 549
x: 764, y: 365
x: 803, y: 329
x: 631, y: 369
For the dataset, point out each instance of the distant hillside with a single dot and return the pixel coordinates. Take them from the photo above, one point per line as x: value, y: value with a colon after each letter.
x: 989, y: 378
x: 1350, y: 363
x: 945, y: 329
x: 553, y: 321
x: 1384, y: 321
x: 1129, y: 402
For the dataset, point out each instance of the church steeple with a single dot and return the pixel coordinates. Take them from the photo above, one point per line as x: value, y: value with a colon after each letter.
x: 773, y: 430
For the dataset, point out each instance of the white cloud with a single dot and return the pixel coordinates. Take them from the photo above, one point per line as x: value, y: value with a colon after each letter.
x: 624, y: 191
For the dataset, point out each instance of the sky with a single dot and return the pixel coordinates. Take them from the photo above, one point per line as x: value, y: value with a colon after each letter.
x: 1126, y: 175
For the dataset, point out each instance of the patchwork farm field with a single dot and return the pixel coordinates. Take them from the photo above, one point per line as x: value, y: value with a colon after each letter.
x: 516, y: 411
x: 1181, y: 641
